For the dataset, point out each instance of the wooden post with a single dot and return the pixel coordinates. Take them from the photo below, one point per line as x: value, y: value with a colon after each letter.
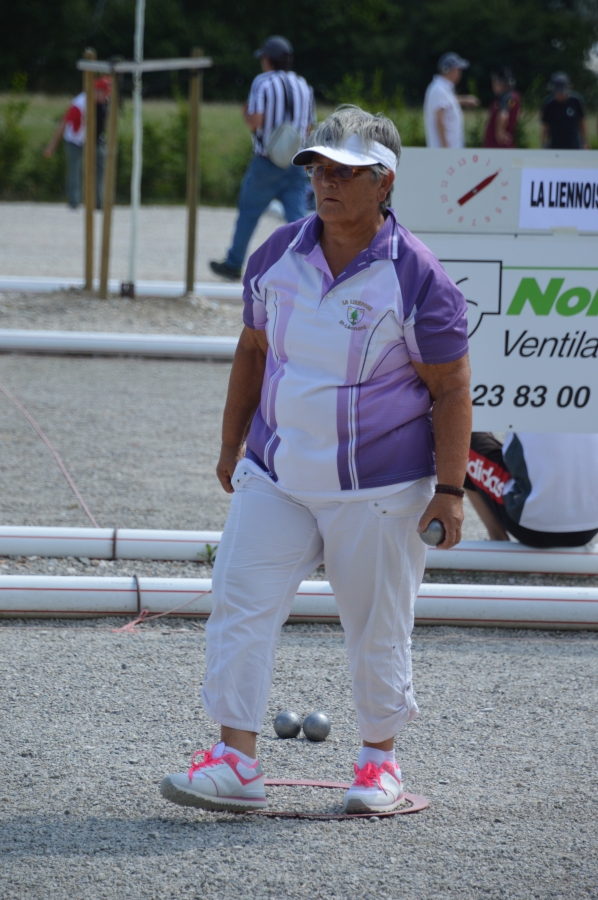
x: 109, y: 185
x: 195, y: 92
x: 90, y: 167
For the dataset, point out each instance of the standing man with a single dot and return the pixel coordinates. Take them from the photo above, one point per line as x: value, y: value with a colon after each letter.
x: 72, y: 129
x: 504, y: 111
x: 276, y: 96
x: 345, y: 432
x: 443, y: 118
x: 563, y: 117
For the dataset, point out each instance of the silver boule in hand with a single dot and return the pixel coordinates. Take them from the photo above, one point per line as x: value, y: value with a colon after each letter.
x: 434, y: 533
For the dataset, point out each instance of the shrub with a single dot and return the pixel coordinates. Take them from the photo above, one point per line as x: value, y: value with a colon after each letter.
x: 13, y: 140
x: 409, y: 121
x: 223, y: 159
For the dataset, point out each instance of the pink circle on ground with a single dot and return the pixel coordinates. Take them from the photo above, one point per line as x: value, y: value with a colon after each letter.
x: 416, y: 803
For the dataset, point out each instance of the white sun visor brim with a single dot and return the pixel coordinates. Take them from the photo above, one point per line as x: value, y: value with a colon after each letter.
x: 351, y: 153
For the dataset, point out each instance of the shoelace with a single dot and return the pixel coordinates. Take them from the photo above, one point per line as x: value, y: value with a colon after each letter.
x: 207, y: 760
x: 368, y: 776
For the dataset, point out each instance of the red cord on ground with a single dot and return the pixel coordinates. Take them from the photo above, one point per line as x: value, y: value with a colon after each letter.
x: 144, y: 615
x: 53, y: 451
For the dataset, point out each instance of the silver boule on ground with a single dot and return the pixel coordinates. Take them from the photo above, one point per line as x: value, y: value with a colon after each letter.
x: 316, y: 726
x: 287, y: 724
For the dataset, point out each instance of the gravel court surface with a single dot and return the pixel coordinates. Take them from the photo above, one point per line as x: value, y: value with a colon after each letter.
x: 47, y: 239
x: 95, y: 719
x: 505, y: 755
x: 140, y: 437
x: 76, y: 310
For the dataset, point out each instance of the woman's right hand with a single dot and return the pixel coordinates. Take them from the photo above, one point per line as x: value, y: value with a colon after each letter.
x: 229, y: 457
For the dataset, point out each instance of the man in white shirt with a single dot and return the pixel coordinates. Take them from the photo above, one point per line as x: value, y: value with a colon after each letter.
x: 443, y: 118
x: 72, y: 129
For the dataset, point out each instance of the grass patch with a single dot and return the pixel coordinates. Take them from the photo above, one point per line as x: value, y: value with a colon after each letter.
x: 27, y: 122
x: 225, y: 149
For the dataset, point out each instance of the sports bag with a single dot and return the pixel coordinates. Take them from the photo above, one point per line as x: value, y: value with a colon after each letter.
x: 285, y: 140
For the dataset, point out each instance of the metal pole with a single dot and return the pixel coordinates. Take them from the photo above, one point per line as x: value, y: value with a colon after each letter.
x: 90, y: 167
x: 128, y: 289
x: 109, y: 183
x: 195, y: 91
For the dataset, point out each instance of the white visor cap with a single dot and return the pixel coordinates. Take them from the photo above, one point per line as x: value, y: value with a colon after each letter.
x: 352, y: 153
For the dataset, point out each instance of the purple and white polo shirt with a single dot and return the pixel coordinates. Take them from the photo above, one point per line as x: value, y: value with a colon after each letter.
x: 342, y: 408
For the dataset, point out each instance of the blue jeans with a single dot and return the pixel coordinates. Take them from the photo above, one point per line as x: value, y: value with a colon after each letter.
x: 262, y: 183
x: 74, y: 173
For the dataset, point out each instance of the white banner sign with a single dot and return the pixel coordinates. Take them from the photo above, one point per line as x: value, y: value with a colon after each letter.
x: 489, y: 191
x: 559, y: 198
x: 533, y: 328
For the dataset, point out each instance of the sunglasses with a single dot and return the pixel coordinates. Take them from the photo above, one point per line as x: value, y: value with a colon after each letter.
x: 342, y: 173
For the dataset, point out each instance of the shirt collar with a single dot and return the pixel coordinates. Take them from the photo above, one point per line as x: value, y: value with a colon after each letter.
x: 445, y: 82
x: 385, y: 244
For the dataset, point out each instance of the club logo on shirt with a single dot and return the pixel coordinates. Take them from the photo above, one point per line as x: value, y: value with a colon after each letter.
x: 355, y: 313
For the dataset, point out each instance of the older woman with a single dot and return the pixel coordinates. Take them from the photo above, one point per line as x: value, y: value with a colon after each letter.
x: 349, y: 393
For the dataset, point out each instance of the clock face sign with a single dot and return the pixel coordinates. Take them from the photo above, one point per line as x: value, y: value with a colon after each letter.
x: 475, y: 191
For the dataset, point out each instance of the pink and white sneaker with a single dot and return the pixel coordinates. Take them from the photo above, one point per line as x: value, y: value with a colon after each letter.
x: 376, y: 789
x: 218, y: 779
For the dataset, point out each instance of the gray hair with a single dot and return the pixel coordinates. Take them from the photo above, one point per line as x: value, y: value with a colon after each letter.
x: 347, y: 120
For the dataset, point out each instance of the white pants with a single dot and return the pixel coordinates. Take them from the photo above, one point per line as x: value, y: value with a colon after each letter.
x: 375, y: 562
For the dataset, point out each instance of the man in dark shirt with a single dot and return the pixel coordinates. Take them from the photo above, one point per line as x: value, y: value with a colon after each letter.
x: 563, y: 117
x: 504, y: 111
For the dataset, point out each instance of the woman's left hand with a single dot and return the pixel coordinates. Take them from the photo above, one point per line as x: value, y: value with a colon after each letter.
x: 449, y: 510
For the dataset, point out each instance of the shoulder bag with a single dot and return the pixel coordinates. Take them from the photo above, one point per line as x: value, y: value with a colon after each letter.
x: 285, y: 140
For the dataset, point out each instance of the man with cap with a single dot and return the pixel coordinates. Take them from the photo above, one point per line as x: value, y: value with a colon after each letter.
x: 277, y: 95
x: 345, y: 432
x: 72, y: 129
x: 563, y: 117
x: 443, y: 119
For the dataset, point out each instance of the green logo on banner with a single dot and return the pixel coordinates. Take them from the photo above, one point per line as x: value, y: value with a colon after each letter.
x: 568, y: 303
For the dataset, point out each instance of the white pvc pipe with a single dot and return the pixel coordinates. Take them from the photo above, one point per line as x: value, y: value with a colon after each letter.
x: 180, y: 545
x: 510, y: 556
x: 437, y: 604
x: 93, y: 543
x: 102, y: 543
x: 108, y: 543
x: 108, y: 344
x: 63, y: 595
x: 137, y: 137
x: 212, y: 290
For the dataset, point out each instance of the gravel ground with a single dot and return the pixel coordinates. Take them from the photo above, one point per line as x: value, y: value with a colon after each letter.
x: 75, y: 310
x: 139, y: 436
x: 506, y: 757
x: 93, y: 719
x: 46, y: 239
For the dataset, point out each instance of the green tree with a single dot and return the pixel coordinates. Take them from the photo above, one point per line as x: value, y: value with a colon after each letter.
x: 333, y: 40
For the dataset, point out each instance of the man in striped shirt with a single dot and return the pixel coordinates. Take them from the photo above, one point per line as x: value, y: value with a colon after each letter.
x: 276, y: 96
